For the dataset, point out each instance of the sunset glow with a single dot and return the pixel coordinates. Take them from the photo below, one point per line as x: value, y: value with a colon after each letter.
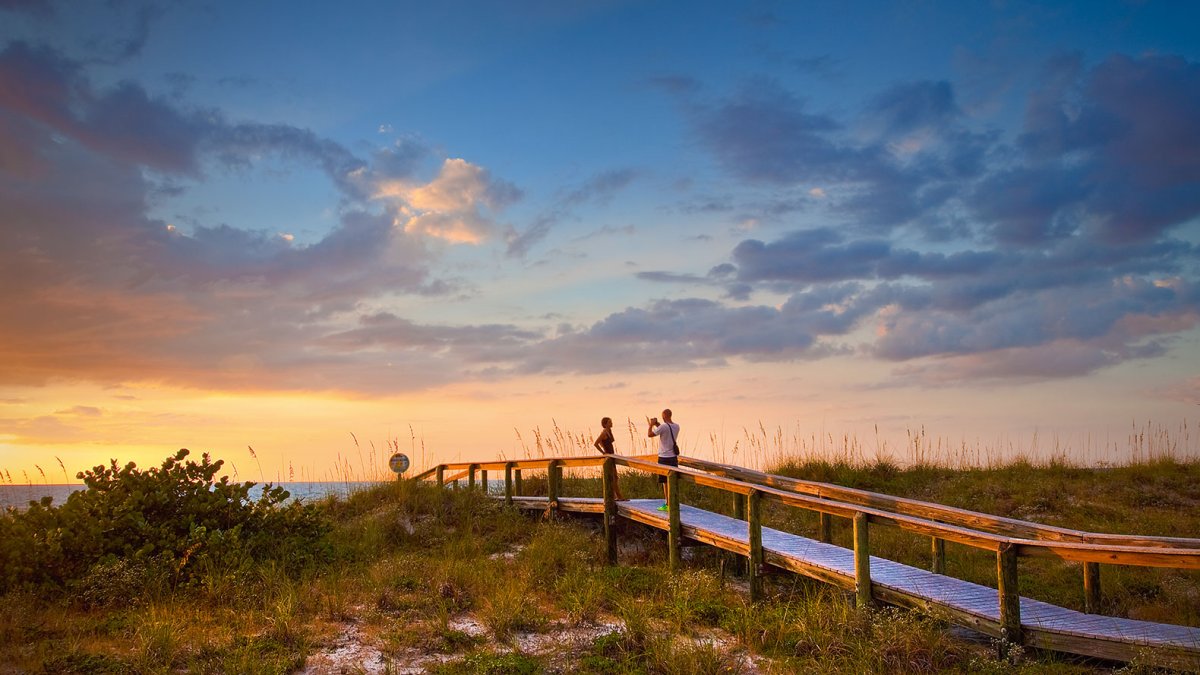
x: 453, y: 230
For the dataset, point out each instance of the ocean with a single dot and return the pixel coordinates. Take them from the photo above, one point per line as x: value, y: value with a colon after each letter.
x: 19, y: 496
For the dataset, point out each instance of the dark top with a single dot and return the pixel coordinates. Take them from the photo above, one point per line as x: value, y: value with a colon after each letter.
x: 606, y: 442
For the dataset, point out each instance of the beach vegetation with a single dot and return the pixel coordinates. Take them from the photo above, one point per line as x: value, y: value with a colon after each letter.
x: 412, y: 576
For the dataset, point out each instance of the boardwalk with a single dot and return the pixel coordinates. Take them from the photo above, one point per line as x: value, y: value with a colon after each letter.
x: 959, y: 601
x: 990, y: 610
x: 1044, y: 623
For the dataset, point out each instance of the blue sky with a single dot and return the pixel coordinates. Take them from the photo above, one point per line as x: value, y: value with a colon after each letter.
x: 978, y: 216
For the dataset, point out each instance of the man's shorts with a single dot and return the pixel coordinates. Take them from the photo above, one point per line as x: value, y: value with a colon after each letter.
x: 669, y: 461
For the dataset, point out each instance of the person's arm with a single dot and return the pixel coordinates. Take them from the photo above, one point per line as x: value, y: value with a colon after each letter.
x: 597, y: 442
x: 652, y: 426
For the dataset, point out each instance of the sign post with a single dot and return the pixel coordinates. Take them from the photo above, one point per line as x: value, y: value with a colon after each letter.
x: 398, y: 463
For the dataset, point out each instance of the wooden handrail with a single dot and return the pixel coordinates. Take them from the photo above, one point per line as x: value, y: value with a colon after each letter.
x: 979, y: 521
x: 1080, y: 551
x: 425, y: 474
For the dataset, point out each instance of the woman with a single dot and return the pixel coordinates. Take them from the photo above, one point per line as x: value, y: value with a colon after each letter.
x: 604, y: 443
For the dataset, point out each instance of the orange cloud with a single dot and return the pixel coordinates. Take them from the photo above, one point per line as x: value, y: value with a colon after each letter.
x: 452, y: 206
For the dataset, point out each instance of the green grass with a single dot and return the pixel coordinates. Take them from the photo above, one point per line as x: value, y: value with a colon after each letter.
x: 411, y: 563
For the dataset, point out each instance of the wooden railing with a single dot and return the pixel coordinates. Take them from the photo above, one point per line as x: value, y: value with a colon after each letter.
x: 1008, y: 539
x: 1010, y: 527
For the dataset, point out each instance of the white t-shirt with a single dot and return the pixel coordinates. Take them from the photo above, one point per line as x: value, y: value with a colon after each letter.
x: 665, y: 438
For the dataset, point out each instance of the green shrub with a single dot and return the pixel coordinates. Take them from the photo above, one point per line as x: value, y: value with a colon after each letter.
x: 162, y: 519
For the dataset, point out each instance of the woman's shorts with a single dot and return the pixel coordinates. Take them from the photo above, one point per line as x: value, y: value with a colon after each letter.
x: 669, y: 461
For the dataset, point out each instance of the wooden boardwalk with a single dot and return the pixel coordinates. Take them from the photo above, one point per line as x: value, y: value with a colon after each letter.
x: 961, y: 602
x: 998, y: 611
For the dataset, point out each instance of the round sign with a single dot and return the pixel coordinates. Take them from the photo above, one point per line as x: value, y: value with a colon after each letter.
x: 399, y: 462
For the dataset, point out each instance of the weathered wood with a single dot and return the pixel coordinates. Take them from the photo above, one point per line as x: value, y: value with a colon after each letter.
x: 962, y: 535
x: 674, y: 532
x: 508, y: 483
x: 518, y: 488
x: 961, y: 602
x: 471, y: 476
x: 609, y: 482
x: 938, y: 553
x: 1165, y: 656
x: 754, y: 532
x: 1009, y: 594
x: 825, y: 528
x: 425, y: 474
x: 1091, y: 587
x: 1128, y: 555
x: 955, y: 516
x: 441, y: 475
x: 576, y: 462
x: 862, y: 562
x: 483, y: 481
x: 553, y: 475
x: 716, y: 482
x: 593, y: 505
x: 741, y: 564
x: 1142, y: 556
x: 1157, y: 556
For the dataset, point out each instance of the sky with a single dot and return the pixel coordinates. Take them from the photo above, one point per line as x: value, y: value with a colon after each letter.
x: 301, y: 236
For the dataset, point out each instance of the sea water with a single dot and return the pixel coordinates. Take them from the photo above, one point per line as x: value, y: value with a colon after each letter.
x: 19, y: 496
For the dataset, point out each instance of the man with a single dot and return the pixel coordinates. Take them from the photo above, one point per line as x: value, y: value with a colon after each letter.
x: 668, y: 447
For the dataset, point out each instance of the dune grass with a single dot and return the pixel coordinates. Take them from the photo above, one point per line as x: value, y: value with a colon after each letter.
x: 456, y: 583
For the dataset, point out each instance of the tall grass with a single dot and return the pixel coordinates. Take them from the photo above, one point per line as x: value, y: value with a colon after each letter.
x: 457, y: 579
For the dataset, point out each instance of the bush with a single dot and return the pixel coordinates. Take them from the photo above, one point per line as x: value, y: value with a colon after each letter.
x: 165, y: 518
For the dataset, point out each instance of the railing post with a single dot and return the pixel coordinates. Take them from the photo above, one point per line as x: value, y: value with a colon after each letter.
x: 1091, y: 587
x: 1010, y: 596
x: 508, y: 483
x: 517, y: 486
x: 674, y: 526
x: 552, y: 485
x: 754, y: 562
x: 825, y: 527
x: 610, y: 509
x: 441, y: 475
x: 938, y: 548
x: 471, y: 477
x: 862, y: 562
x: 483, y: 485
x: 742, y: 565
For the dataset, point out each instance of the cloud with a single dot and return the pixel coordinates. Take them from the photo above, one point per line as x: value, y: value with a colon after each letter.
x: 45, y: 429
x: 1112, y: 152
x: 385, y: 329
x: 1186, y: 391
x: 39, y: 8
x: 675, y: 334
x: 949, y: 251
x: 598, y: 189
x: 454, y: 206
x: 1021, y: 364
x: 915, y: 107
x: 81, y: 411
x: 95, y: 288
x: 902, y: 162
x: 1051, y: 254
x: 763, y: 133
